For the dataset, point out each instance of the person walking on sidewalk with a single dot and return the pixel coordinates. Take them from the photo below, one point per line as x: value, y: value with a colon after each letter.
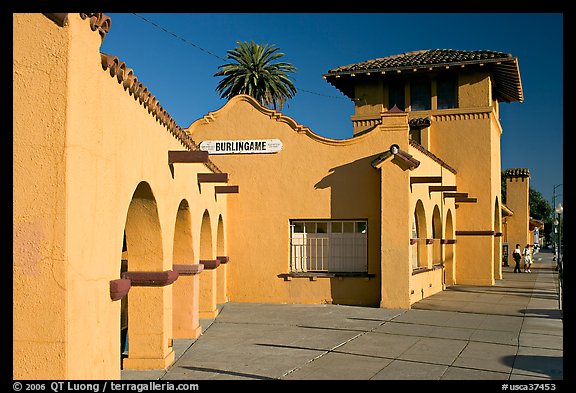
x: 527, y: 258
x: 517, y: 255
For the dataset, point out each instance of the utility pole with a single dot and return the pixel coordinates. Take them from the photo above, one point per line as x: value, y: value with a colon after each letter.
x: 556, y: 232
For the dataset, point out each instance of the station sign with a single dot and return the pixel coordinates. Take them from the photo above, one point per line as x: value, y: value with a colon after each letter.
x: 246, y: 146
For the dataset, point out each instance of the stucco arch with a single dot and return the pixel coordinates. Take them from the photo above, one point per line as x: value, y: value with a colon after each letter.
x: 420, y: 227
x: 449, y: 251
x: 497, y: 240
x: 143, y: 232
x: 185, y: 291
x: 149, y: 323
x: 220, y: 238
x: 221, y: 272
x: 437, y: 236
x: 208, y: 278
x: 183, y: 241
x: 206, y: 249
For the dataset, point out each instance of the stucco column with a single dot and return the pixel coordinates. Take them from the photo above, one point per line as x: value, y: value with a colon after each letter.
x: 208, y: 305
x: 149, y: 344
x: 395, y: 238
x: 395, y: 218
x: 221, y: 297
x: 186, y: 302
x: 475, y: 258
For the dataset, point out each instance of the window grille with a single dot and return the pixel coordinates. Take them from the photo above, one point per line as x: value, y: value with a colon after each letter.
x: 329, y: 246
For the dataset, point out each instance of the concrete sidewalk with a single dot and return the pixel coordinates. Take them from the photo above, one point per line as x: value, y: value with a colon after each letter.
x: 510, y: 331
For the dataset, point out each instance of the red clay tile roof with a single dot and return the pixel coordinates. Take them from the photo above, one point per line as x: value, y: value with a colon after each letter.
x: 100, y: 22
x: 420, y: 122
x: 517, y: 172
x: 423, y: 58
x: 503, y: 66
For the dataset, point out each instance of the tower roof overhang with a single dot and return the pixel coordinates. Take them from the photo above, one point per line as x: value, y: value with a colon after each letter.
x: 503, y: 67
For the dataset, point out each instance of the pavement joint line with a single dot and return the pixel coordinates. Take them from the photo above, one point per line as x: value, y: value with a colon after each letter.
x: 456, y: 357
x: 288, y: 324
x: 341, y: 344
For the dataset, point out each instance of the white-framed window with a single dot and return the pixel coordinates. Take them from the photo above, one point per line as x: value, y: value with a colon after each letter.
x: 329, y: 246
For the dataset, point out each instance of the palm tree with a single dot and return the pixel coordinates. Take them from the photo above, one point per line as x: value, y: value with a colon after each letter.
x: 253, y: 72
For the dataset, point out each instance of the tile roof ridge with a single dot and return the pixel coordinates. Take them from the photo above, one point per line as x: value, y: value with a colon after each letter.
x: 98, y: 21
x: 517, y: 172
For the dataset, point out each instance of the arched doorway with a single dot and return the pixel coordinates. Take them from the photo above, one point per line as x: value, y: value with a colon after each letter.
x: 449, y: 250
x: 208, y: 304
x: 149, y: 325
x: 419, y: 233
x: 437, y: 236
x: 221, y: 272
x: 185, y: 290
x: 497, y: 241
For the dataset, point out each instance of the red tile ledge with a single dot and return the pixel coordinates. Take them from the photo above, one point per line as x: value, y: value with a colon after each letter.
x: 119, y: 288
x: 188, y: 270
x: 151, y: 279
x: 210, y: 264
x: 223, y: 259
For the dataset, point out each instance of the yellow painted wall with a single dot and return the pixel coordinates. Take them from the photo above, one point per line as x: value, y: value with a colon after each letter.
x: 316, y: 178
x: 311, y: 178
x: 82, y: 145
x: 370, y: 97
x: 425, y: 284
x: 39, y: 189
x: 468, y: 139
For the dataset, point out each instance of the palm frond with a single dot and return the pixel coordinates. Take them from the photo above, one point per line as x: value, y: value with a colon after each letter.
x: 255, y: 71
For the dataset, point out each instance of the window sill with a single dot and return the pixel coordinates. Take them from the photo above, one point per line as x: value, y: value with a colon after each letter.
x: 425, y: 269
x: 313, y: 276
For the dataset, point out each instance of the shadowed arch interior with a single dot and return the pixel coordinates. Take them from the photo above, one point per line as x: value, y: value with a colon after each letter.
x: 183, y: 245
x: 449, y: 260
x: 206, y: 238
x: 421, y: 234
x: 497, y: 240
x: 220, y: 239
x: 437, y: 236
x: 143, y: 232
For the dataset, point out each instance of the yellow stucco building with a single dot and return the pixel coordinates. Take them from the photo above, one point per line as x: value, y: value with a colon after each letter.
x: 122, y: 219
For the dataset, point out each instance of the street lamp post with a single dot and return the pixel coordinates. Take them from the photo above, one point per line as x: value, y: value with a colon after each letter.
x: 559, y: 210
x: 554, y: 195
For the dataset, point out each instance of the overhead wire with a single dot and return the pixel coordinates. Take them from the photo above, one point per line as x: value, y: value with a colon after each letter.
x: 215, y: 55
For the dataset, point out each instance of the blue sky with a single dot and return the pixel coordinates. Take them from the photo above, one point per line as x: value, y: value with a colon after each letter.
x: 180, y: 71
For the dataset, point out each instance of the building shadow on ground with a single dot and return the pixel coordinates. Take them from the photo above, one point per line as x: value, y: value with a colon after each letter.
x: 536, y: 365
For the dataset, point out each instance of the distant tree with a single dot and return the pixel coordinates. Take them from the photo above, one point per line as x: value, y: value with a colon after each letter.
x: 253, y: 71
x: 540, y: 208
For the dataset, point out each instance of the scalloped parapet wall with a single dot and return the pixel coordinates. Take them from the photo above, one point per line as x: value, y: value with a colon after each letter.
x: 277, y: 116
